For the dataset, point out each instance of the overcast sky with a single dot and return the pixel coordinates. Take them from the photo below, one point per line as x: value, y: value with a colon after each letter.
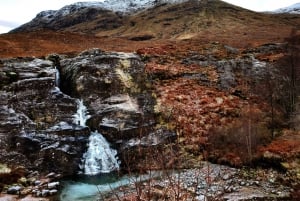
x: 16, y: 12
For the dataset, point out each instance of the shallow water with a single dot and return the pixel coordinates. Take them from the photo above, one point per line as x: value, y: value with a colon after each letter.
x: 90, y: 188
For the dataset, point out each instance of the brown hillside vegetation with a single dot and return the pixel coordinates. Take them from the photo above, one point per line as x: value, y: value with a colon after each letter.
x: 210, y: 20
x: 187, y: 26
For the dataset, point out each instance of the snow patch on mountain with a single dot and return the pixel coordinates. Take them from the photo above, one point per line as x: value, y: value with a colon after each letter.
x: 293, y: 9
x: 124, y: 6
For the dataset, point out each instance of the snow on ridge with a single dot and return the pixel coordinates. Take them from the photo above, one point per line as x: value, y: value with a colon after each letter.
x: 293, y: 9
x: 135, y: 5
x: 125, y: 6
x: 46, y: 15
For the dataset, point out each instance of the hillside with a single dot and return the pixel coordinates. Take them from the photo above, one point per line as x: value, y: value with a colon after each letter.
x: 163, y: 19
x: 204, y: 19
x: 77, y: 27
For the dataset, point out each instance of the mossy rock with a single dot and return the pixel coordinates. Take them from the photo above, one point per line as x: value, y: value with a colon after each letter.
x: 4, y: 169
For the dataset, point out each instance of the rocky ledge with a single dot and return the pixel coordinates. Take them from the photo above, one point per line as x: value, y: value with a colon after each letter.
x: 39, y: 98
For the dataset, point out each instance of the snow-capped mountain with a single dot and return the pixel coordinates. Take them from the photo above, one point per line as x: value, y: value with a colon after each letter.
x: 293, y: 9
x: 139, y: 19
x: 109, y: 11
x: 124, y: 6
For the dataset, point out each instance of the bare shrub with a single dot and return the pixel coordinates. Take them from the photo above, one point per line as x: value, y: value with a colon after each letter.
x: 237, y: 143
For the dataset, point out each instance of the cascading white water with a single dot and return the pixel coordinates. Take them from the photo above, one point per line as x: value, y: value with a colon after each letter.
x: 99, y: 158
x: 57, y: 77
x: 81, y: 115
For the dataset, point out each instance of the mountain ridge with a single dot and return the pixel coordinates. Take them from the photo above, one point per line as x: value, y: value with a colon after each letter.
x: 292, y: 9
x: 155, y: 19
x: 45, y: 19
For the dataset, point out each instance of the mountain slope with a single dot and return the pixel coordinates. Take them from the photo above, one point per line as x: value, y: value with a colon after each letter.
x: 293, y: 9
x: 181, y: 19
x: 95, y: 15
x: 87, y: 18
x: 214, y: 19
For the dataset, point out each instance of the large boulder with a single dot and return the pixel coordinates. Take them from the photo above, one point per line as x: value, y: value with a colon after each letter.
x: 114, y: 88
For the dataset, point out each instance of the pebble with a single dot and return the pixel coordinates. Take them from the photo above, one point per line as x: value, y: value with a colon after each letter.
x: 228, y: 189
x: 14, y: 190
x: 226, y: 177
x: 226, y: 181
x: 53, y: 185
x: 37, y: 182
x: 201, y: 198
x: 37, y: 188
x: 45, y: 193
x: 53, y: 192
x: 51, y: 175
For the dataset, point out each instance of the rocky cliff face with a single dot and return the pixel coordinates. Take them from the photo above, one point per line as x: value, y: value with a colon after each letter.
x: 37, y: 110
x: 114, y: 86
x: 36, y: 118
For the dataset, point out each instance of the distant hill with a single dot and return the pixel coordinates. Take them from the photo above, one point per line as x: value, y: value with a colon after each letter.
x: 90, y: 16
x: 293, y: 9
x: 144, y: 19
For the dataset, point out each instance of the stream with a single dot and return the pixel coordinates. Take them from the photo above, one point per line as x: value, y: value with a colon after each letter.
x: 91, y: 188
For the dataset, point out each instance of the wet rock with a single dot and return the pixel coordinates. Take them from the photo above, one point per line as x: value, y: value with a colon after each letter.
x: 53, y: 192
x: 53, y: 185
x: 37, y: 125
x: 35, y: 116
x: 113, y: 86
x: 37, y: 182
x: 51, y: 175
x: 14, y: 190
x: 23, y: 181
x: 45, y: 193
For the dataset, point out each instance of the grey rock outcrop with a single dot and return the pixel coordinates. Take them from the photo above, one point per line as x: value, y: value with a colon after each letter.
x: 114, y: 87
x: 37, y: 127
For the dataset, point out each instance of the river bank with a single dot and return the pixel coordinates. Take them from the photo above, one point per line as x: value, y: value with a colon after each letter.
x: 217, y: 182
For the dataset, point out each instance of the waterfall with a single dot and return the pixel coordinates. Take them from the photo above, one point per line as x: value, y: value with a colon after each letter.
x: 81, y: 115
x: 57, y: 77
x: 99, y: 158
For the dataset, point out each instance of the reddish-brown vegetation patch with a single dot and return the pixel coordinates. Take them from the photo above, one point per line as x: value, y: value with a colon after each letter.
x: 286, y: 146
x: 194, y: 109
